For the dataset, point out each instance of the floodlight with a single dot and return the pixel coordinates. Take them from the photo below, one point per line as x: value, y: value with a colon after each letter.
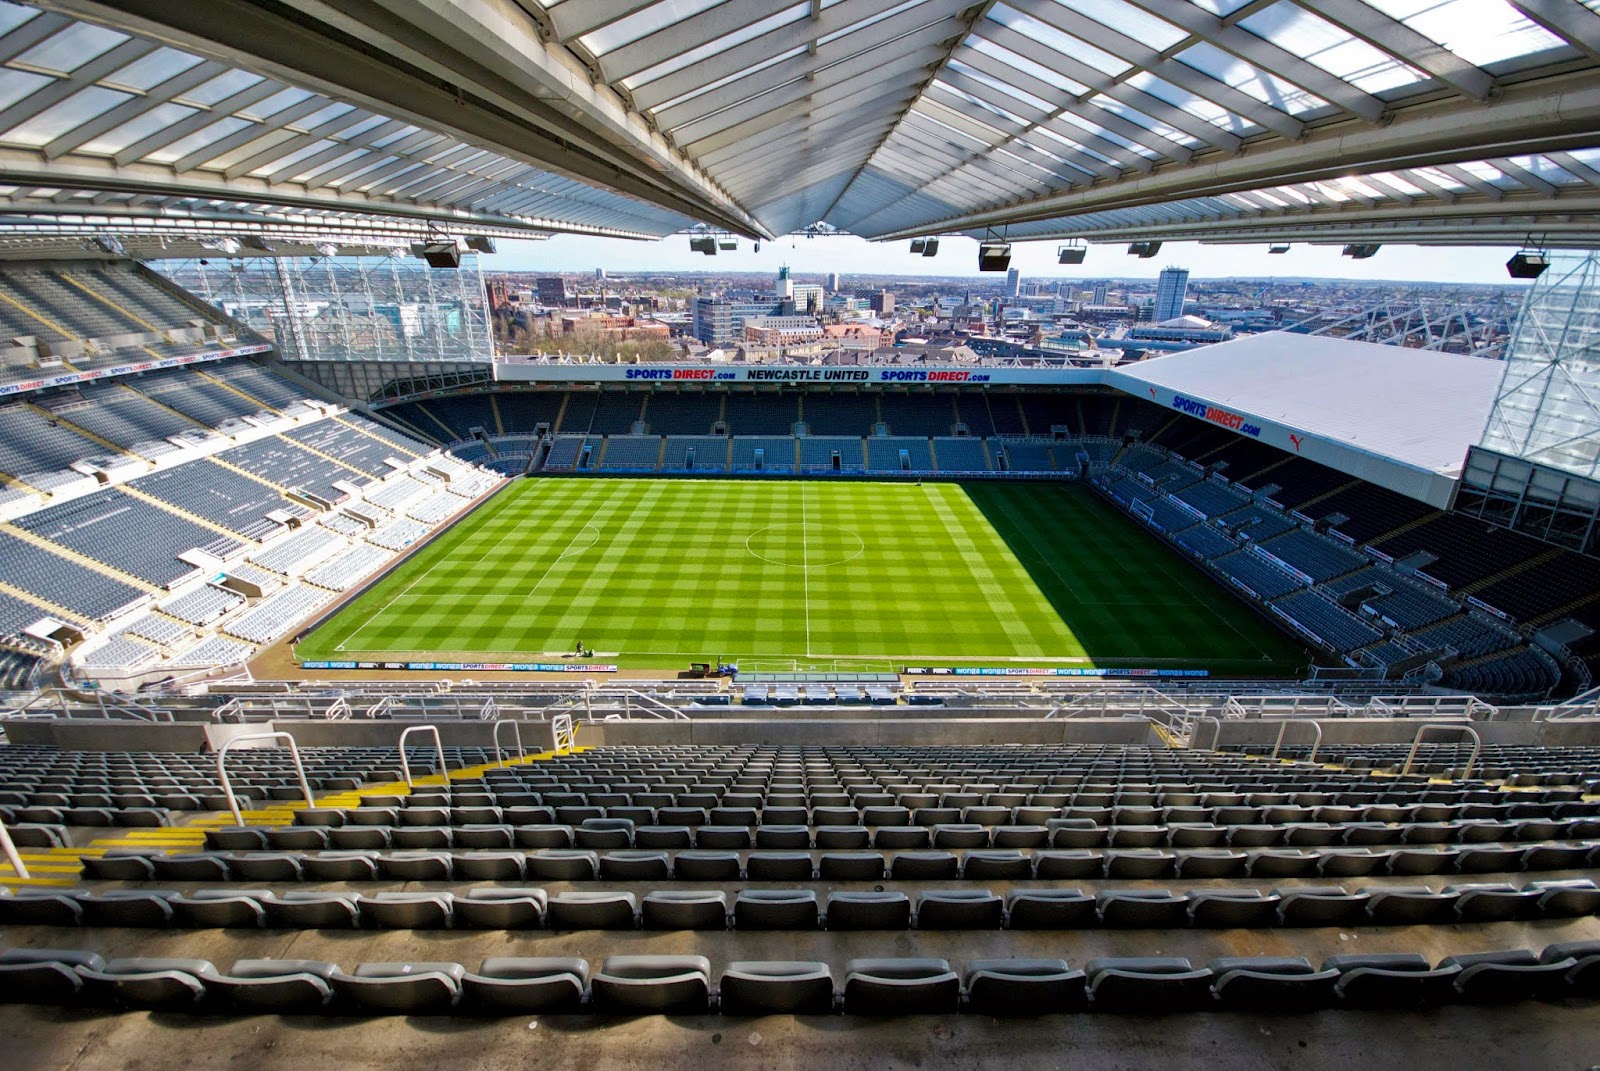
x: 1072, y: 253
x: 994, y: 256
x: 1527, y: 264
x: 931, y: 249
x: 1361, y: 252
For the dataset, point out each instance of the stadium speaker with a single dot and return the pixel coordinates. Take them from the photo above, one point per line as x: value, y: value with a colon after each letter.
x: 1144, y: 250
x: 917, y: 246
x: 1071, y: 254
x: 994, y: 256
x: 708, y: 246
x: 442, y: 254
x: 111, y: 244
x: 1528, y: 264
x: 1361, y: 252
x: 931, y: 248
x: 729, y: 243
x: 1277, y: 249
x: 258, y: 243
x: 480, y: 244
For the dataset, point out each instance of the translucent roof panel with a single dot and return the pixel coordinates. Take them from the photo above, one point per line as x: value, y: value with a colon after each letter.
x: 884, y: 117
x: 1479, y: 31
x: 1343, y: 55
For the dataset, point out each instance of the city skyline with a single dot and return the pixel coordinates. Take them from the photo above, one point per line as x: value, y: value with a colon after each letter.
x: 958, y: 257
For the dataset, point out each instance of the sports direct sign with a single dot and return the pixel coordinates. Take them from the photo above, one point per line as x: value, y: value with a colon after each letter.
x: 125, y: 369
x: 1216, y: 415
x: 866, y: 376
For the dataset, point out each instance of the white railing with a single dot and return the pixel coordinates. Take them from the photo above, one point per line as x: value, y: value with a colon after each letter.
x: 1583, y: 705
x: 563, y: 734
x: 11, y: 853
x: 1277, y: 744
x: 1431, y: 706
x: 438, y: 747
x: 227, y: 785
x: 516, y: 731
x: 1424, y: 730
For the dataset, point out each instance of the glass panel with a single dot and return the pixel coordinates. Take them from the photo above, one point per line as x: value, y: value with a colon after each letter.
x: 1405, y: 186
x: 198, y: 140
x: 1026, y: 65
x: 1102, y: 133
x: 1364, y: 189
x: 70, y: 49
x: 1300, y: 33
x: 1220, y: 7
x: 339, y: 161
x: 657, y: 16
x: 1054, y: 39
x: 221, y: 87
x: 1329, y: 190
x: 1267, y: 88
x: 737, y: 76
x: 136, y: 129
x: 289, y: 159
x: 1439, y: 178
x: 398, y: 135
x: 64, y: 116
x: 147, y: 72
x: 283, y: 98
x: 1214, y: 114
x: 718, y: 45
x: 322, y: 115
x: 1133, y: 115
x: 1488, y: 172
x: 14, y: 85
x: 14, y: 15
x: 1129, y: 21
x: 1479, y: 31
x: 1545, y: 168
x: 998, y: 86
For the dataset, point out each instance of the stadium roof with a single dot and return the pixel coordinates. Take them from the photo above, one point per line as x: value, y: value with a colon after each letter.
x: 1212, y: 119
x: 1419, y: 408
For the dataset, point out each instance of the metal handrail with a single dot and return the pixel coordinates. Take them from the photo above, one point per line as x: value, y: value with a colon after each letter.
x: 516, y: 731
x: 227, y: 786
x: 1216, y: 737
x: 11, y: 853
x: 1284, y: 727
x: 1477, y: 745
x: 562, y: 729
x: 438, y: 746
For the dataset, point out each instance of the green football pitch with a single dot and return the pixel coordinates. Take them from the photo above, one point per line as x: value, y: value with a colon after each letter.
x: 654, y: 574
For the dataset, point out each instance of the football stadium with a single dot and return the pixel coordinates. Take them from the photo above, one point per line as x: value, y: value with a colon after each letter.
x: 406, y: 657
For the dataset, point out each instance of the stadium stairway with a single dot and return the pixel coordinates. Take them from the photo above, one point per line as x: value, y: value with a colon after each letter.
x: 44, y: 604
x: 225, y: 385
x: 399, y: 450
x: 115, y: 306
x: 62, y: 866
x: 81, y: 559
x: 1510, y: 571
x: 66, y: 422
x: 179, y: 511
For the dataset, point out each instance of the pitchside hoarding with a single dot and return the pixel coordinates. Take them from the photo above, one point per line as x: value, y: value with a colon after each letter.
x: 778, y: 375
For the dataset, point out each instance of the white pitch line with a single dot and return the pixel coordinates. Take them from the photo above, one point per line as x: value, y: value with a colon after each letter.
x: 805, y: 567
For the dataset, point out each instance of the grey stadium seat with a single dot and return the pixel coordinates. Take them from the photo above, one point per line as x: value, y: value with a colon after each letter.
x: 509, y: 984
x: 669, y: 985
x: 1272, y: 984
x: 401, y: 988
x: 1003, y: 987
x: 900, y: 987
x: 762, y: 987
x: 274, y: 985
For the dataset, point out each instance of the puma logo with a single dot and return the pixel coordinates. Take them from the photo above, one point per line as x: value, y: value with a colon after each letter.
x: 1297, y: 441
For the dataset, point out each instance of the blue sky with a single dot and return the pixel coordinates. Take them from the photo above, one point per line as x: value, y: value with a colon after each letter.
x: 958, y: 256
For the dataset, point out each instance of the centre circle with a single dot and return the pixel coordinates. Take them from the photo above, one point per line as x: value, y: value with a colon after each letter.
x: 805, y: 546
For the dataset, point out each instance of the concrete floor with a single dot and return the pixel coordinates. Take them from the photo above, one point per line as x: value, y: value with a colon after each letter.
x: 1525, y: 1036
